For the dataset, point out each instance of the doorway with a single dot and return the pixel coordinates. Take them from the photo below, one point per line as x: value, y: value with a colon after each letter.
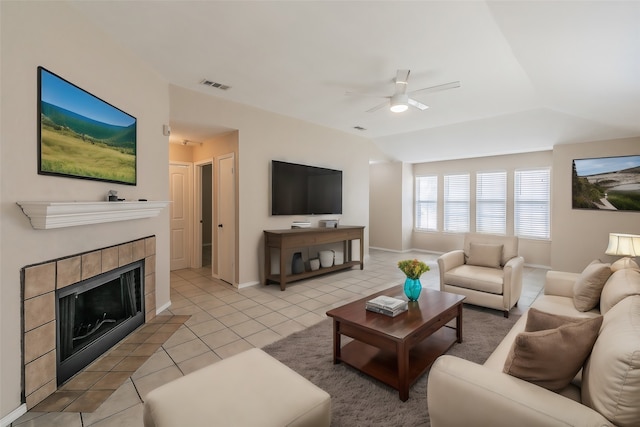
x: 226, y: 217
x: 180, y: 213
x: 206, y: 214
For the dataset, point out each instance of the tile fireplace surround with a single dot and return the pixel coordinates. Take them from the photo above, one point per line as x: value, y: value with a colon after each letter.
x: 39, y: 283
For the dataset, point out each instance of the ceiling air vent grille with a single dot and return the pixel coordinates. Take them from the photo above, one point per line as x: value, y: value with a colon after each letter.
x: 214, y: 84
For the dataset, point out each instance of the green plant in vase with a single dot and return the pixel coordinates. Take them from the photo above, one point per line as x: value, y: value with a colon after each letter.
x: 413, y: 269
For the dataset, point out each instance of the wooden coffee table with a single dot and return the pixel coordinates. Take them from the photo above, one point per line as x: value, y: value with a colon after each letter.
x: 397, y: 350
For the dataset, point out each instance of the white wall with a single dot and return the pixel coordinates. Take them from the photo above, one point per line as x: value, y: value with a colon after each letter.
x: 580, y: 236
x: 263, y: 137
x: 53, y: 35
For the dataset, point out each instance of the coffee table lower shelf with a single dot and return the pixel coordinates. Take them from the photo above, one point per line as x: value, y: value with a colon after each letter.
x: 383, y: 364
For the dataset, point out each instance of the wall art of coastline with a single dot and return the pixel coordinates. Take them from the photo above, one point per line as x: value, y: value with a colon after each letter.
x: 606, y: 183
x: 82, y: 136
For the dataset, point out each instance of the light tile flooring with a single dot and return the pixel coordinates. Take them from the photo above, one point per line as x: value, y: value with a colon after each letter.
x: 225, y: 321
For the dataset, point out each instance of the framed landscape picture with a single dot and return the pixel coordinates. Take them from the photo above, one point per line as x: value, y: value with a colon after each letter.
x: 606, y: 183
x: 82, y: 136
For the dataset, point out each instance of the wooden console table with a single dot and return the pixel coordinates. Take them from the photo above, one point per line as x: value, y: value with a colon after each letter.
x: 305, y: 237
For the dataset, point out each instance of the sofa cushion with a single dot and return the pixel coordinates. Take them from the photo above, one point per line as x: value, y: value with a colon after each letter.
x: 587, y: 289
x: 620, y: 285
x: 485, y: 255
x: 551, y: 358
x: 623, y: 263
x: 478, y: 278
x: 611, y: 376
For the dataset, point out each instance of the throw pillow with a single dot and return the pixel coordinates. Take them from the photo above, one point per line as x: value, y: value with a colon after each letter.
x: 588, y: 287
x: 485, y: 255
x: 538, y: 320
x: 551, y: 358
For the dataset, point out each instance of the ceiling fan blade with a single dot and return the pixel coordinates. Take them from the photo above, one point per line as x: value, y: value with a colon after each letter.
x: 402, y: 80
x: 438, y: 88
x: 371, y: 95
x: 402, y: 76
x: 377, y: 107
x: 418, y: 105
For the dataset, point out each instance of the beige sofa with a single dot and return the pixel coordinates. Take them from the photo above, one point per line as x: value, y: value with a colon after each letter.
x: 606, y: 391
x: 488, y: 271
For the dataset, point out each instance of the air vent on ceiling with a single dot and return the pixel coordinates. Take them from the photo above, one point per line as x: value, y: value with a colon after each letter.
x: 214, y: 84
x: 359, y: 128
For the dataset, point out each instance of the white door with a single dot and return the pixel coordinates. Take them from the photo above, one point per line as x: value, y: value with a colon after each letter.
x: 226, y: 217
x: 179, y: 191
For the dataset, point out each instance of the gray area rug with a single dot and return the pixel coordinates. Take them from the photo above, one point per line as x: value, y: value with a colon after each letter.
x: 359, y: 400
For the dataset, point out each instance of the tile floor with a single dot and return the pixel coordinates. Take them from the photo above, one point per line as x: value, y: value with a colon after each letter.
x: 225, y: 321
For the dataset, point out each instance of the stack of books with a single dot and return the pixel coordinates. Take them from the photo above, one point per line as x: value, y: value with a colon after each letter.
x: 387, y: 305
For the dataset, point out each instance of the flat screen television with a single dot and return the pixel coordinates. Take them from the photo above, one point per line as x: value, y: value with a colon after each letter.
x: 305, y: 190
x: 606, y: 183
x: 82, y: 136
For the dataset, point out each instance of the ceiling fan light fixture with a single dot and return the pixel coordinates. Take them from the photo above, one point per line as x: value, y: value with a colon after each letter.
x: 399, y: 102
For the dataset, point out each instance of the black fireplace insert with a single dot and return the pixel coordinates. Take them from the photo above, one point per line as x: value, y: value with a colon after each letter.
x: 95, y: 314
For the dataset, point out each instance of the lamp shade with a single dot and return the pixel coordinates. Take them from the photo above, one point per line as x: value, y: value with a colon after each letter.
x: 623, y: 245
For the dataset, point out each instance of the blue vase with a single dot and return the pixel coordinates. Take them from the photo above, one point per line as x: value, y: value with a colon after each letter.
x: 412, y: 288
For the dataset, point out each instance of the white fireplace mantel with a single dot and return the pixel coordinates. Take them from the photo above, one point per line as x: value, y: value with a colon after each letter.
x: 46, y: 215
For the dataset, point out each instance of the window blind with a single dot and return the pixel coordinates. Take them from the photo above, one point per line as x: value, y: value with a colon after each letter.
x: 456, y: 203
x: 532, y: 203
x: 427, y: 203
x: 491, y: 202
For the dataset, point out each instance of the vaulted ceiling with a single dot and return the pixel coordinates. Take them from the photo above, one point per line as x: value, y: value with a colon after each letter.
x: 532, y: 74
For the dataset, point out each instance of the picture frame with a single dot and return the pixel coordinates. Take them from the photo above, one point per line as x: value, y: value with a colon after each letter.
x: 83, y: 136
x: 606, y: 183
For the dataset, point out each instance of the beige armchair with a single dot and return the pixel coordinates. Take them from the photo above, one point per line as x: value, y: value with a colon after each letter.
x: 488, y: 271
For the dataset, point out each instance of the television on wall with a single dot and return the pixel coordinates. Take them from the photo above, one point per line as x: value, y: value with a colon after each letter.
x: 606, y: 183
x: 305, y: 190
x: 82, y: 136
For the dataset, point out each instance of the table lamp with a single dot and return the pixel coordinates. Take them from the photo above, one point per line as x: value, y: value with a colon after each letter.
x: 625, y: 245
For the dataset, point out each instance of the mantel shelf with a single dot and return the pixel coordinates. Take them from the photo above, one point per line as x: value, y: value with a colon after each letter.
x: 46, y: 215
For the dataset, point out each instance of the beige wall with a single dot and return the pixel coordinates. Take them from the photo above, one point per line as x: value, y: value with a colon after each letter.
x: 54, y: 36
x: 580, y: 236
x: 391, y: 206
x: 536, y: 252
x: 263, y: 137
x: 385, y: 205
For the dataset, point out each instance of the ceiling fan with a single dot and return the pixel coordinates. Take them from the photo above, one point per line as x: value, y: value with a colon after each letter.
x: 400, y: 100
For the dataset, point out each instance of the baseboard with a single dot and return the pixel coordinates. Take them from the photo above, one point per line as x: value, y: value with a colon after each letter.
x: 248, y: 284
x: 406, y: 250
x: 163, y: 308
x: 13, y: 415
x: 543, y: 267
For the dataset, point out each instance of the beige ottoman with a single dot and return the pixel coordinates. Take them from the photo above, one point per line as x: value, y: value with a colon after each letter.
x: 248, y: 389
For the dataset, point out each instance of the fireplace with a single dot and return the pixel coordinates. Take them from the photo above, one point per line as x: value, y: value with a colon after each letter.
x: 95, y: 314
x: 48, y: 357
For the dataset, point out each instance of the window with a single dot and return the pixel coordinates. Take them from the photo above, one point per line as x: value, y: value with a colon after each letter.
x: 427, y: 203
x: 456, y: 203
x: 531, y: 203
x: 491, y: 202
